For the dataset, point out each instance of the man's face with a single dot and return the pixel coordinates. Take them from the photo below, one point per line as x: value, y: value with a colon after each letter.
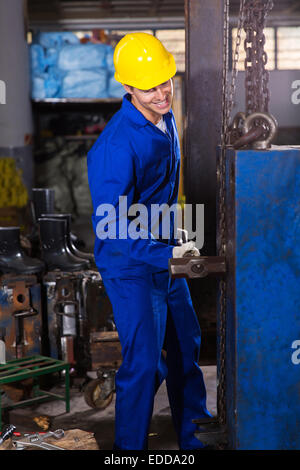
x: 153, y: 103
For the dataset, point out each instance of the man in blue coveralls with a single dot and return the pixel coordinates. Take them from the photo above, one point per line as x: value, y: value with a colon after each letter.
x: 136, y: 160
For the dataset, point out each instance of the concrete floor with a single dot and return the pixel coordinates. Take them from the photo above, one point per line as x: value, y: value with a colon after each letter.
x: 101, y: 422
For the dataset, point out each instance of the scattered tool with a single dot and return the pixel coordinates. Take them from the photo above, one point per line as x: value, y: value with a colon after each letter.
x: 7, y: 432
x: 37, y: 440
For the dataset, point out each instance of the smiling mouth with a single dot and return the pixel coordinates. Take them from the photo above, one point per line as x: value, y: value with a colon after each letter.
x: 162, y: 104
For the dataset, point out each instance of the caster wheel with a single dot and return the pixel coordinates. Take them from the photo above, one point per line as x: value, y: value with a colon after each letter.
x: 96, y: 394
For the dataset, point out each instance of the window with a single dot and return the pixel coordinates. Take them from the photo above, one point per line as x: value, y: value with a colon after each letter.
x: 282, y: 47
x: 288, y: 48
x: 174, y: 42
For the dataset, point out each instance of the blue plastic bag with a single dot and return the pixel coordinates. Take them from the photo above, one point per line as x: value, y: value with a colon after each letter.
x: 110, y: 60
x: 56, y: 72
x: 51, y: 56
x: 85, y: 84
x: 115, y: 89
x: 52, y: 86
x: 55, y: 39
x: 38, y: 91
x: 82, y: 56
x: 45, y: 86
x: 37, y: 59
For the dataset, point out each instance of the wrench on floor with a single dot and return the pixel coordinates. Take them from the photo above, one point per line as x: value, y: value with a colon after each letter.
x: 7, y: 432
x: 37, y: 440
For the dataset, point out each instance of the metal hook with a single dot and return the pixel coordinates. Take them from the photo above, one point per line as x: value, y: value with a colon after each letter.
x: 272, y: 125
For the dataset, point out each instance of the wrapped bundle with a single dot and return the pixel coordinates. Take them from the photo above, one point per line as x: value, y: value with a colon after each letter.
x: 82, y: 56
x: 85, y: 84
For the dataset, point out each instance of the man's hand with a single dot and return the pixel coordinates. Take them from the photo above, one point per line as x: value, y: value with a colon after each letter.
x: 182, y: 236
x: 185, y: 249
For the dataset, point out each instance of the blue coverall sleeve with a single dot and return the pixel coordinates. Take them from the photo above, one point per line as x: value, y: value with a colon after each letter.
x: 111, y: 173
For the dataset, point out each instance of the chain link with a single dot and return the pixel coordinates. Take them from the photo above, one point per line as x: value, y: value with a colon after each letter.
x: 256, y: 75
x: 227, y: 105
x: 221, y: 234
x: 230, y: 98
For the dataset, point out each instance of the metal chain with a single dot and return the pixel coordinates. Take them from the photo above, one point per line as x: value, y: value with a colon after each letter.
x: 235, y: 60
x: 221, y: 234
x: 256, y: 75
x: 227, y: 105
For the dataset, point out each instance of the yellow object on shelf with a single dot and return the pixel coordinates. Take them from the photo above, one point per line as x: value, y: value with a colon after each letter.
x: 13, y: 192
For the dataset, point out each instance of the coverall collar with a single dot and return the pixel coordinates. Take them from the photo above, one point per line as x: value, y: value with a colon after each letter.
x: 134, y: 114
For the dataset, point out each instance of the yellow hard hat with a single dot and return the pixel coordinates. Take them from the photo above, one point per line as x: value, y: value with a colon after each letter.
x: 142, y: 61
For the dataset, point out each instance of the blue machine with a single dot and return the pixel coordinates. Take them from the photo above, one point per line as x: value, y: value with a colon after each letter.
x: 263, y: 298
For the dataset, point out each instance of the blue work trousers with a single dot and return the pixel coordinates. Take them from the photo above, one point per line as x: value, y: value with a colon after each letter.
x: 154, y: 312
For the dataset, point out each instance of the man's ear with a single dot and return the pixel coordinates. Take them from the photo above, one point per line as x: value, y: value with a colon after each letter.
x: 128, y: 88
